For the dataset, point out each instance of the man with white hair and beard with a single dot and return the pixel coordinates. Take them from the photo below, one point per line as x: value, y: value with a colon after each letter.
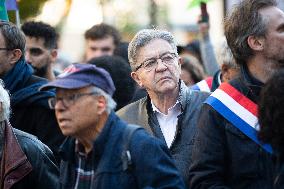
x: 25, y: 161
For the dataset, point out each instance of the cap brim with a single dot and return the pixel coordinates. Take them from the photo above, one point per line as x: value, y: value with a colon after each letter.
x: 64, y: 84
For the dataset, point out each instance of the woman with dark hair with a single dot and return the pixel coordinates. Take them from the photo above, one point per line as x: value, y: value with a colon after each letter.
x: 191, y: 70
x: 271, y: 119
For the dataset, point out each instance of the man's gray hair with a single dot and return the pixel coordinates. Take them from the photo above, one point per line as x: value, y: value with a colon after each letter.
x: 142, y: 38
x: 111, y: 104
x: 5, y: 100
x: 14, y: 38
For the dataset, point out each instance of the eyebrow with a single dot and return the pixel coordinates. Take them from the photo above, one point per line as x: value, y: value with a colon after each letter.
x: 160, y: 55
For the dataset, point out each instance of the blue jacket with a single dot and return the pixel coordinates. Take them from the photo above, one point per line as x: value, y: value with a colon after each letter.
x: 152, y: 164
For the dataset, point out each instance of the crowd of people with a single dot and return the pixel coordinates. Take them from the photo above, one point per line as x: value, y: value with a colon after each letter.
x: 148, y: 113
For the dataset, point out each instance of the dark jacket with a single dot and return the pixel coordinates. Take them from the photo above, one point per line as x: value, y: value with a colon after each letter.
x: 25, y: 161
x: 223, y: 157
x: 141, y: 113
x: 279, y: 173
x: 216, y: 82
x: 152, y: 165
x: 30, y: 111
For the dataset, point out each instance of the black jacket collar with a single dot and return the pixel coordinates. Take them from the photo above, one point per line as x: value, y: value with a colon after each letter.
x: 247, y: 84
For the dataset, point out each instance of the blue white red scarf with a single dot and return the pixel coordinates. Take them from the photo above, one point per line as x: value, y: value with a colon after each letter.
x: 239, y: 110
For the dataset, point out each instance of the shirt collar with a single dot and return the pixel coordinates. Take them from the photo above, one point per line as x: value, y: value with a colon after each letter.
x: 80, y: 150
x: 173, y: 108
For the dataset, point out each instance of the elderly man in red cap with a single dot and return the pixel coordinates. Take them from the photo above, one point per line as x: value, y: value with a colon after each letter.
x: 101, y: 151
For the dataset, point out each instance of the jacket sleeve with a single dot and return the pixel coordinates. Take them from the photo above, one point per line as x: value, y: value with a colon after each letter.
x: 207, y: 170
x: 153, y: 165
x: 45, y: 174
x: 47, y: 130
x: 208, y: 56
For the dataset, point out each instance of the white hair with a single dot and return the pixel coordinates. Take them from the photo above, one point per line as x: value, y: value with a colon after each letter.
x: 111, y: 104
x: 225, y: 56
x: 142, y: 38
x: 5, y: 100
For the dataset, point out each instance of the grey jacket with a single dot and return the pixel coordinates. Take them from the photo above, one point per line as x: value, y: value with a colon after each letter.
x: 141, y: 113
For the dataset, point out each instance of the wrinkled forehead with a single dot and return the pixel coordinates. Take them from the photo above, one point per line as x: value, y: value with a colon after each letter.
x: 154, y: 48
x: 273, y: 16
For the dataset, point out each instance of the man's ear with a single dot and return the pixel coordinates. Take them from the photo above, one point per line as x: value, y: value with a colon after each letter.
x: 225, y: 73
x: 102, y: 104
x: 54, y: 54
x: 180, y: 61
x: 256, y: 43
x: 136, y: 77
x: 15, y: 56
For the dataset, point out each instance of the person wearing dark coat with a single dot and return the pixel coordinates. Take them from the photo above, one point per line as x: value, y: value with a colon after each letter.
x: 227, y: 152
x: 25, y: 162
x: 101, y: 150
x: 30, y: 110
x: 271, y: 119
x: 170, y: 110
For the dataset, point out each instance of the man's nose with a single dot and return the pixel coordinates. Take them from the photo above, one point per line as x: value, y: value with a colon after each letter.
x: 160, y: 66
x: 59, y: 106
x: 99, y: 53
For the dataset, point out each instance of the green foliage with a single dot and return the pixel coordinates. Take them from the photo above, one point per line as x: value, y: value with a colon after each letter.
x: 27, y: 9
x: 195, y: 3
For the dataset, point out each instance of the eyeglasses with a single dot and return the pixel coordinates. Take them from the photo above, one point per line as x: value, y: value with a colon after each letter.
x: 167, y: 59
x: 67, y: 101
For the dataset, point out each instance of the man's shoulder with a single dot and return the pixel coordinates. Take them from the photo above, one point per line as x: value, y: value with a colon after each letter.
x: 202, y: 95
x: 196, y: 98
x: 30, y: 144
x: 131, y: 108
x: 36, y: 79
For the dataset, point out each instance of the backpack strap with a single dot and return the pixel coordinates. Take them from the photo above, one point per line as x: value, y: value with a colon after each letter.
x: 126, y: 156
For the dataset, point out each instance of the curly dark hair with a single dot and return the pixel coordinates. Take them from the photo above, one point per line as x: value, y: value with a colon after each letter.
x: 271, y: 112
x: 41, y: 30
x: 119, y: 71
x: 244, y: 21
x: 101, y: 31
